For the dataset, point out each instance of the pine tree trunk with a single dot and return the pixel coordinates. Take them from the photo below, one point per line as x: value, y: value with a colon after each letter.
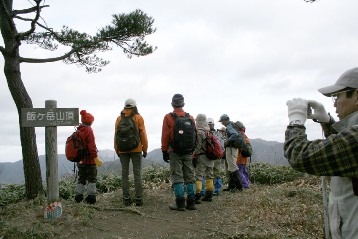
x: 32, y: 171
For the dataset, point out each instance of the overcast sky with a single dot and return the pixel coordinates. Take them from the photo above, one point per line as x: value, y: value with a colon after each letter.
x: 245, y: 58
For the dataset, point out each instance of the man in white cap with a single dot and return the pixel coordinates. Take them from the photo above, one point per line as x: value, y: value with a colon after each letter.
x: 335, y: 156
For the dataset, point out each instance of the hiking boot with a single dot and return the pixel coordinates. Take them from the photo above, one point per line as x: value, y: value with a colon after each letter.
x: 198, y: 198
x: 216, y: 193
x: 127, y: 201
x: 179, y: 204
x: 208, y: 196
x: 79, y: 198
x: 91, y: 199
x: 190, y: 203
x: 237, y: 180
x: 231, y: 183
x: 138, y: 202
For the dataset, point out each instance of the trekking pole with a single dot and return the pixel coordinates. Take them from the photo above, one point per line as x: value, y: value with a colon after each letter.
x: 325, y: 214
x: 249, y: 168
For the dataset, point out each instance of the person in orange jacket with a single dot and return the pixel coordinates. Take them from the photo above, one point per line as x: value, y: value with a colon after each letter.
x: 87, y: 170
x: 243, y: 161
x: 181, y: 165
x: 135, y: 153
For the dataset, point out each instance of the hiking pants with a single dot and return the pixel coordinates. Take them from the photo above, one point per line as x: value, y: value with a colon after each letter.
x: 217, y: 168
x: 231, y: 157
x: 244, y: 175
x: 204, y: 168
x: 87, y: 173
x: 181, y: 168
x: 137, y: 168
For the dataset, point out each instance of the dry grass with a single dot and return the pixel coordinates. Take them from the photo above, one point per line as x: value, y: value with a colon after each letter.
x: 289, y: 210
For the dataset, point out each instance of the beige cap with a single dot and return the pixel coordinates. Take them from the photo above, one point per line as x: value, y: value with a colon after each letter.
x: 349, y: 79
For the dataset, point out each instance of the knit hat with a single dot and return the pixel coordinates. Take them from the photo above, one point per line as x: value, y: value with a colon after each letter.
x: 130, y: 103
x: 86, y: 118
x: 178, y: 101
x: 240, y: 125
x: 348, y: 79
x: 210, y: 121
x: 201, y: 121
x: 224, y: 117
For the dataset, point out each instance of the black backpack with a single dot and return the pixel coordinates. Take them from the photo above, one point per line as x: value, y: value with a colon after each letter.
x: 127, y: 135
x: 184, y: 141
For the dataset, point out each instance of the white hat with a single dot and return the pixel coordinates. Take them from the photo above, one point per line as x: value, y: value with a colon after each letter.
x: 130, y: 103
x: 210, y: 121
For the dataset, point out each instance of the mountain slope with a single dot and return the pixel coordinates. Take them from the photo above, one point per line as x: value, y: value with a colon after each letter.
x: 263, y: 151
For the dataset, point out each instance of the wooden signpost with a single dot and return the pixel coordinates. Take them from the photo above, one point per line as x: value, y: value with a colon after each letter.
x: 50, y: 117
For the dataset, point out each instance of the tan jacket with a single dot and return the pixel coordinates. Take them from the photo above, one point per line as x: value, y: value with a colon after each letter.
x: 139, y: 121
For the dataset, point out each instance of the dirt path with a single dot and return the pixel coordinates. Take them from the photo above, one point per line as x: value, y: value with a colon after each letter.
x: 290, y: 210
x: 155, y: 220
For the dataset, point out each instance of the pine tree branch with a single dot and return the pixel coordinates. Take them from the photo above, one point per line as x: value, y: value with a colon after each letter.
x: 28, y: 10
x: 54, y: 59
x: 22, y: 35
x: 23, y: 18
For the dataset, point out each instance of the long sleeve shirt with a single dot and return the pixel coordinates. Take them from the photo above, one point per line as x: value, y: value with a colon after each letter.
x: 89, y: 142
x: 139, y: 121
x: 231, y: 132
x: 168, y: 128
x: 201, y: 146
x: 337, y: 155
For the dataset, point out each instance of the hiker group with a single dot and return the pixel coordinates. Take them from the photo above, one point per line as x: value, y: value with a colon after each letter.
x: 194, y: 149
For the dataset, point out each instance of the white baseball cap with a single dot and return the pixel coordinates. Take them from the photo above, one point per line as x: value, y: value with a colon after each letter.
x: 130, y: 103
x: 210, y: 121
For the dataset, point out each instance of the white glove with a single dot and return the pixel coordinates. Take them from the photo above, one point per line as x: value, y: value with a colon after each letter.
x: 297, y: 110
x: 320, y: 113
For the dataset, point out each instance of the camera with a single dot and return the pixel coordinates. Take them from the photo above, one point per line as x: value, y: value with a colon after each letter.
x: 309, y: 110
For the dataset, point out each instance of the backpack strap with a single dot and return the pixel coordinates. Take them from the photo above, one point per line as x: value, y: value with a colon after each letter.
x: 174, y: 115
x: 85, y: 146
x: 131, y: 115
x: 187, y: 115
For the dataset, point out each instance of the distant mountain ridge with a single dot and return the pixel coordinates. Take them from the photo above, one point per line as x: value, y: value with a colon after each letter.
x: 12, y: 173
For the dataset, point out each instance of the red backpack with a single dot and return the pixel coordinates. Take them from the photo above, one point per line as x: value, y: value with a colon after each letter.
x: 75, y: 150
x: 214, y: 150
